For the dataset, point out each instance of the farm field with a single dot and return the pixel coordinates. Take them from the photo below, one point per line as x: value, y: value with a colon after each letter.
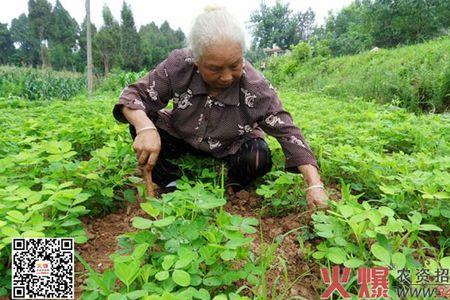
x: 68, y: 169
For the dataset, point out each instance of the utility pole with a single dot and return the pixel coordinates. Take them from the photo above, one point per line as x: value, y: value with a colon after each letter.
x: 89, y: 48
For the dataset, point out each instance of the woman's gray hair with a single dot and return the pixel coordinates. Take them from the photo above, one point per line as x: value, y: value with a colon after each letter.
x: 214, y: 25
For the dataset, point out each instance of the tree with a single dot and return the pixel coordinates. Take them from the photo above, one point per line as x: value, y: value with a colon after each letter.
x: 406, y: 21
x: 6, y: 44
x: 28, y: 51
x: 90, y: 78
x: 39, y: 15
x: 81, y: 53
x: 130, y: 43
x: 63, y: 35
x: 158, y: 42
x: 383, y: 23
x: 349, y: 32
x: 279, y: 25
x: 108, y: 38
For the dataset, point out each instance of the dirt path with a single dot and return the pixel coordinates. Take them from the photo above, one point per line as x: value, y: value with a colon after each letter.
x: 303, y: 278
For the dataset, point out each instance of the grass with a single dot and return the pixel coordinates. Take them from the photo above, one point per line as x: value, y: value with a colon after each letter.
x: 414, y: 77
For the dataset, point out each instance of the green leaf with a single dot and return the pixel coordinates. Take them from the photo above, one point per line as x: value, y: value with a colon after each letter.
x: 172, y: 245
x: 182, y: 278
x: 186, y: 257
x: 10, y: 232
x: 247, y: 225
x: 220, y: 297
x: 164, y: 222
x: 162, y: 275
x: 137, y: 294
x: 345, y: 210
x: 386, y: 211
x: 80, y: 198
x: 381, y: 253
x: 212, y: 281
x: 445, y: 213
x: 399, y: 260
x: 32, y: 234
x: 210, y: 202
x: 142, y: 223
x: 415, y: 217
x: 150, y: 209
x: 445, y: 262
x: 202, y: 294
x: 117, y: 296
x: 388, y: 190
x: 353, y: 263
x: 15, y: 214
x: 92, y: 176
x: 318, y: 255
x: 375, y: 217
x: 252, y: 279
x: 140, y: 250
x: 70, y: 222
x: 108, y: 192
x: 429, y: 227
x: 336, y: 255
x: 228, y: 255
x: 127, y: 272
x: 237, y: 242
x: 168, y: 261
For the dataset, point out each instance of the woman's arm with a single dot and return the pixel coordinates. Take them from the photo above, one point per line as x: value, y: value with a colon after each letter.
x: 138, y: 118
x: 147, y: 143
x: 315, y: 196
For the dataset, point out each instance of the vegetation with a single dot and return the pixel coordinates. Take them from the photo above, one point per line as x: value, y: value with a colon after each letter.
x: 395, y: 190
x: 49, y: 37
x: 62, y: 160
x: 365, y: 24
x: 36, y: 84
x: 415, y: 77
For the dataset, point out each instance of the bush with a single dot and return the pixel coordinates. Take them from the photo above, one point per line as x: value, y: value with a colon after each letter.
x: 118, y: 79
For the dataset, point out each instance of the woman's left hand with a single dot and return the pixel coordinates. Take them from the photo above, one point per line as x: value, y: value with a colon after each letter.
x: 316, y: 198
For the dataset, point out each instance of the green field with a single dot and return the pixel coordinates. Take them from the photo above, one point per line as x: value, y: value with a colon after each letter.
x: 63, y: 160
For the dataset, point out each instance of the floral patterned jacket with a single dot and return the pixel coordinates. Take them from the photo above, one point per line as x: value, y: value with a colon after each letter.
x: 219, y: 125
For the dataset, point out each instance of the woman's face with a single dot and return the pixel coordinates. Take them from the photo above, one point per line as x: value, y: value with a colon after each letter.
x: 221, y: 64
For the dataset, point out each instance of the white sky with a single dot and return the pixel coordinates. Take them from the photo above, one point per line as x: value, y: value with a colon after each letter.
x: 179, y: 13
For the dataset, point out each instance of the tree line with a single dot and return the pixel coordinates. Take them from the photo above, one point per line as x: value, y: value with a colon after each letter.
x: 360, y: 26
x: 49, y: 37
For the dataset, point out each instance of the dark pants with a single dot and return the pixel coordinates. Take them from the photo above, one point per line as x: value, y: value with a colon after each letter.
x: 252, y: 160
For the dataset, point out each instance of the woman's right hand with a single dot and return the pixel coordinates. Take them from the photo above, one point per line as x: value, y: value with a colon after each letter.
x: 147, y: 145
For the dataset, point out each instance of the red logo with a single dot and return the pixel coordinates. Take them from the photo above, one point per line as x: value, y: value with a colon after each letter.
x: 376, y: 278
x: 335, y: 284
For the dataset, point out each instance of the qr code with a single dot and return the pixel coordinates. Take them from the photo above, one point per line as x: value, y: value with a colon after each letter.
x: 42, y: 268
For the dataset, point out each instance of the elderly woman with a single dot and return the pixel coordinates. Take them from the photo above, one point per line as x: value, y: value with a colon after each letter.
x: 222, y: 107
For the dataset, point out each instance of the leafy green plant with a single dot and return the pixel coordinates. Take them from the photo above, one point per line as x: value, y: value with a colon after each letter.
x: 357, y: 234
x: 185, y: 247
x: 281, y: 192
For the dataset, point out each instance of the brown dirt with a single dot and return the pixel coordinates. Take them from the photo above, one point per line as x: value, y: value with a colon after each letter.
x: 303, y: 278
x: 103, y: 233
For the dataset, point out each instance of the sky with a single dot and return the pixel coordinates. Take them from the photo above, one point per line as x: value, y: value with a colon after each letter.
x: 179, y: 13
